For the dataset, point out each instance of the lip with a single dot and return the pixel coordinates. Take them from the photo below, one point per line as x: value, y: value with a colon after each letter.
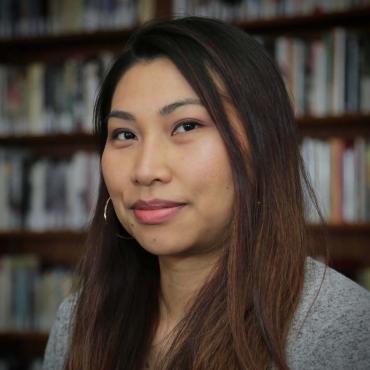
x: 154, y: 204
x: 156, y: 211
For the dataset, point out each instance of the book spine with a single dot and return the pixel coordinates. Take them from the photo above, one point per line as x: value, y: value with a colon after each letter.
x: 337, y: 149
x: 352, y: 65
x: 365, y: 74
x: 338, y: 91
x: 29, y: 296
x: 349, y: 186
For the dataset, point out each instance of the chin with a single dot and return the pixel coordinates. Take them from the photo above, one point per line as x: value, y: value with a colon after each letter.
x: 159, y: 247
x: 167, y: 251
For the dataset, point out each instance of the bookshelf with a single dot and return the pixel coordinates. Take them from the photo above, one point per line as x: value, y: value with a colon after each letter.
x: 26, y: 345
x: 346, y: 125
x: 318, y: 21
x: 53, y: 247
x: 348, y: 242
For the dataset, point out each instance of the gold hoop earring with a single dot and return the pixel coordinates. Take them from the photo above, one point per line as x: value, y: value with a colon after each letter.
x: 105, y: 209
x: 105, y: 218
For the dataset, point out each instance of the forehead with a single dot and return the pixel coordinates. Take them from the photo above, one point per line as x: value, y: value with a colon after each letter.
x: 156, y: 82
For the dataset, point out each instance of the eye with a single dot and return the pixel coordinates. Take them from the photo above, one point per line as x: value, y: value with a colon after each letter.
x: 123, y: 135
x: 186, y: 126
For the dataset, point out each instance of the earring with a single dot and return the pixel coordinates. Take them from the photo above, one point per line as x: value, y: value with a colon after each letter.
x: 105, y: 209
x: 105, y: 218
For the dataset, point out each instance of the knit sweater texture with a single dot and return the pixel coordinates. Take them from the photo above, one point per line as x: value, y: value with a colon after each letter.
x: 335, y: 334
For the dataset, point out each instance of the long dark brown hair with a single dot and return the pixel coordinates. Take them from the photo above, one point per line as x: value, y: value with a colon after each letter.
x: 241, y: 317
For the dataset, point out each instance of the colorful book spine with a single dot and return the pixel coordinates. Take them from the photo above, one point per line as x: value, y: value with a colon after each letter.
x: 39, y: 17
x: 50, y: 98
x: 255, y: 9
x: 29, y: 295
x: 327, y: 75
x: 339, y: 172
x: 42, y: 194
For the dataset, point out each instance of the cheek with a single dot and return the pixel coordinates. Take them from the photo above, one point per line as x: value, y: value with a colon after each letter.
x: 109, y: 177
x: 213, y: 191
x: 211, y: 173
x: 105, y: 169
x: 115, y: 181
x: 112, y: 172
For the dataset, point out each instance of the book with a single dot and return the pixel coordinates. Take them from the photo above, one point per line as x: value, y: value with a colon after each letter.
x: 339, y: 78
x: 318, y: 76
x: 339, y: 172
x: 349, y: 183
x: 365, y: 74
x: 39, y: 193
x: 337, y: 149
x: 352, y: 73
x: 30, y: 295
x: 34, y: 95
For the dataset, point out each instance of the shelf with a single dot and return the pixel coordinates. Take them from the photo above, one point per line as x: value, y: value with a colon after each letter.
x: 18, y: 235
x: 54, y: 144
x: 53, y: 47
x: 23, y: 344
x: 348, y: 243
x: 344, y: 228
x: 346, y: 125
x: 67, y: 40
x: 53, y: 247
x: 357, y: 17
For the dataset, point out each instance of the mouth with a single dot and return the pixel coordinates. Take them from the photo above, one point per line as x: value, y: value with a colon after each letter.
x: 156, y: 216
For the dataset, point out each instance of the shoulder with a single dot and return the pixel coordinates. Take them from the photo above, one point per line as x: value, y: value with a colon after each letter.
x: 331, y: 327
x: 57, y: 345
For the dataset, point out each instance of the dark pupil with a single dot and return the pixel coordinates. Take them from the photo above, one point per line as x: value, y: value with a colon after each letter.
x: 188, y: 126
x: 128, y: 135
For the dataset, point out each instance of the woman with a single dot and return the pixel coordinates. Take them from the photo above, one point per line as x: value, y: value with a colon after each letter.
x: 198, y: 250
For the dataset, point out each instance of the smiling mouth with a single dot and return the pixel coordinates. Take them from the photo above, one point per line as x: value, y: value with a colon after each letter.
x: 157, y: 216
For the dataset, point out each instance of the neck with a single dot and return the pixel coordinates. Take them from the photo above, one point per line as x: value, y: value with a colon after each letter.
x: 181, y: 279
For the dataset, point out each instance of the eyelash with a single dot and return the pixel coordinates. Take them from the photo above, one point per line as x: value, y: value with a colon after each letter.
x: 118, y: 132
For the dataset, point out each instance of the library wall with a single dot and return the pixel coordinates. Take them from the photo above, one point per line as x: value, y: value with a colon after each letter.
x: 53, y: 57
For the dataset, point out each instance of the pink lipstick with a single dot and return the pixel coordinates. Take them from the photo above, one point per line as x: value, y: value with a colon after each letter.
x: 155, y: 211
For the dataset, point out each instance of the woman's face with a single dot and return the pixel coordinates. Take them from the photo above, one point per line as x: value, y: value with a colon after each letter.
x: 162, y: 145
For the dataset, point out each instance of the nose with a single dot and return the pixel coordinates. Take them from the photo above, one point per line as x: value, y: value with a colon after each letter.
x: 151, y: 163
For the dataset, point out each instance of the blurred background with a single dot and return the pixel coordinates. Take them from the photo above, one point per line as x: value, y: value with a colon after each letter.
x: 53, y: 57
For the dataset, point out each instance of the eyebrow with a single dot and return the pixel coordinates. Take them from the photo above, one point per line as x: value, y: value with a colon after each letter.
x: 164, y: 111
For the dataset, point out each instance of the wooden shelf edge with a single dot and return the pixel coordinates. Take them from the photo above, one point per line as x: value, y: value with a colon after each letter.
x: 343, y: 227
x: 68, y: 38
x: 343, y: 119
x: 35, y: 235
x: 23, y: 344
x: 72, y: 139
x: 347, y: 125
x: 356, y: 16
x: 64, y: 248
x: 23, y: 335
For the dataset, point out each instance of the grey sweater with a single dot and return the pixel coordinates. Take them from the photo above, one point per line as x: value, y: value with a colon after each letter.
x: 335, y: 334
